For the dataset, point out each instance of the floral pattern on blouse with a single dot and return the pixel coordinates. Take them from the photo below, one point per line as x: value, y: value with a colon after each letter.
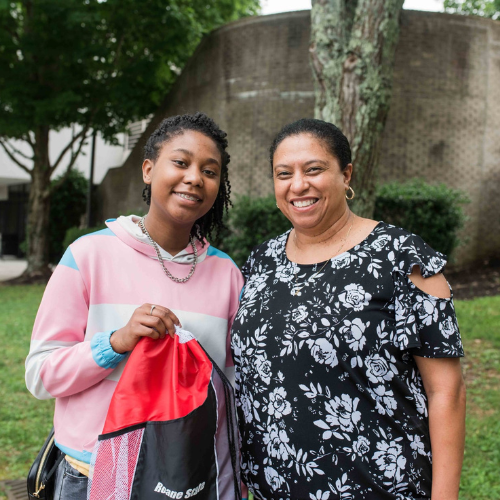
x: 330, y: 399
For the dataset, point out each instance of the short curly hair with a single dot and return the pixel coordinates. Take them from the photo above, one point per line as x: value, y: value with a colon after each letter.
x: 333, y: 138
x: 212, y: 223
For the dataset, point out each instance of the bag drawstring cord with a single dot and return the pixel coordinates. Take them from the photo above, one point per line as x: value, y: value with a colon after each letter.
x: 230, y: 411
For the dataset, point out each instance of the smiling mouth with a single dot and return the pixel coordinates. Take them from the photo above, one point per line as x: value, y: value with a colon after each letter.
x: 187, y: 197
x: 304, y: 203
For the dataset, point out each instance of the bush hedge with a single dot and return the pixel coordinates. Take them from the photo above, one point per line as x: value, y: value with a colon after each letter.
x: 67, y: 205
x: 251, y: 221
x: 433, y: 211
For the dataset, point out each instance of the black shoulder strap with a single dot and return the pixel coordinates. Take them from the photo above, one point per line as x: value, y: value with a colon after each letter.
x: 54, y: 467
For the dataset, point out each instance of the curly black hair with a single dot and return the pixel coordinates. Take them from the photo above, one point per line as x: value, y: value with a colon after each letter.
x: 213, y: 220
x: 333, y: 138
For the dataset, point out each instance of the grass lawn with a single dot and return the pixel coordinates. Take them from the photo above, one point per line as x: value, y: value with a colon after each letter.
x: 25, y: 421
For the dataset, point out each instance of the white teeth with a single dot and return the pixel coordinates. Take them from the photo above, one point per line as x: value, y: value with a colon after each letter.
x: 305, y: 203
x: 186, y: 197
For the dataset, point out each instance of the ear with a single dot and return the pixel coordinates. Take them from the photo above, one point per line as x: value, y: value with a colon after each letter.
x: 147, y: 170
x: 347, y: 173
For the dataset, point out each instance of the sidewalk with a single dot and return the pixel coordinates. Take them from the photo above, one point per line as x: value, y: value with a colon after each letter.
x: 11, y: 268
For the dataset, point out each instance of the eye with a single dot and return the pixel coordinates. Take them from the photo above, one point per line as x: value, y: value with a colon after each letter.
x: 181, y: 163
x: 313, y: 170
x: 282, y: 174
x: 210, y: 173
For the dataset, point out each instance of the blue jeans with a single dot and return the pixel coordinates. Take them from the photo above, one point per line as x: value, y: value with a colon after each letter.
x: 70, y: 484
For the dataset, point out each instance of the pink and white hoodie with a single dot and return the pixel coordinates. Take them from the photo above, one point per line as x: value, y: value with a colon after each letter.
x: 101, y: 279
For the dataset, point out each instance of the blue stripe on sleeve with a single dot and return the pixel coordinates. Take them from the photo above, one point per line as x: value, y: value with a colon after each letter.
x: 68, y: 260
x: 214, y: 252
x: 102, y: 352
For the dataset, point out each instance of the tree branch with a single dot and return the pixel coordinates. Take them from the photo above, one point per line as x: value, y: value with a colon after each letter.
x: 13, y: 34
x: 29, y: 140
x: 118, y: 50
x: 83, y: 133
x: 20, y: 153
x: 13, y: 158
x: 74, y: 156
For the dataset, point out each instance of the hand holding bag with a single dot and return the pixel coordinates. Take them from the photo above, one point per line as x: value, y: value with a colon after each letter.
x: 41, y: 476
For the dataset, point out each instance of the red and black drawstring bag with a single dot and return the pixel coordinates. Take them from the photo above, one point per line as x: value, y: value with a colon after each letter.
x: 170, y: 431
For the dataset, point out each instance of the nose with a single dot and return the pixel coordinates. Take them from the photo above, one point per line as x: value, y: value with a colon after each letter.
x: 299, y: 183
x: 193, y: 176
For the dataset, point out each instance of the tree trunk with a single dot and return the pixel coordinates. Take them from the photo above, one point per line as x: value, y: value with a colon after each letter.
x: 38, y: 211
x: 352, y: 55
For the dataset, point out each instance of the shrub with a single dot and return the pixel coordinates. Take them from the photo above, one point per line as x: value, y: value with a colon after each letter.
x: 434, y: 212
x: 67, y: 205
x: 251, y: 221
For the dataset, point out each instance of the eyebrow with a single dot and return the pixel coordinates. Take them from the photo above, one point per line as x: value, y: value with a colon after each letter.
x: 190, y: 153
x: 305, y: 164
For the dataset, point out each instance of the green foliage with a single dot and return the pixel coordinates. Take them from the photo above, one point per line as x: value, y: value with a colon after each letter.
x: 73, y: 233
x: 102, y: 63
x: 434, y: 212
x: 478, y: 320
x: 24, y: 421
x: 483, y: 8
x: 251, y: 221
x: 68, y: 200
x: 92, y: 64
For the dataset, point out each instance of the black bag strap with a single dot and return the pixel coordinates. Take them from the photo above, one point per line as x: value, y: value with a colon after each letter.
x: 54, y: 467
x: 230, y: 411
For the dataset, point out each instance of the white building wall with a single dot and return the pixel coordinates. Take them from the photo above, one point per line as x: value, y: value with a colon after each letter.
x: 107, y: 157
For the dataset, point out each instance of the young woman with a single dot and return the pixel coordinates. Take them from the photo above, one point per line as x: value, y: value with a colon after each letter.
x: 346, y: 345
x: 138, y: 278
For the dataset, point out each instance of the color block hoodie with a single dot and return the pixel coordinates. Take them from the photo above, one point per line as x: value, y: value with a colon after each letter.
x: 101, y: 279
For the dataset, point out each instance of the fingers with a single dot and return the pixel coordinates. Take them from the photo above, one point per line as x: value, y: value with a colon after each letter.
x: 146, y: 331
x: 155, y: 324
x: 167, y: 318
x: 165, y: 312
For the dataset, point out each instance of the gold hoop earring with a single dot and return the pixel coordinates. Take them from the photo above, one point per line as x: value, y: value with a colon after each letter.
x: 277, y: 206
x: 353, y: 194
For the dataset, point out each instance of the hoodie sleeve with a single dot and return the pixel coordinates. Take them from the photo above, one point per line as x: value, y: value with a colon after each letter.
x: 61, y: 362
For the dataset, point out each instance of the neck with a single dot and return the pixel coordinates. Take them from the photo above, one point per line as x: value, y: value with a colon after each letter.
x: 171, y: 238
x: 308, y: 239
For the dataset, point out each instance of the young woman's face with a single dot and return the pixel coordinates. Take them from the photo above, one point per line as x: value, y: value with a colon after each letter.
x: 185, y: 178
x: 308, y: 183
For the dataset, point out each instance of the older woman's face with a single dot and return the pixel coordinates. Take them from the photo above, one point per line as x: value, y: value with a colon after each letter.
x: 309, y: 184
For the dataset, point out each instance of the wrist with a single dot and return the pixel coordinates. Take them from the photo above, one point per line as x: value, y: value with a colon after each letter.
x: 116, y: 343
x: 102, y: 351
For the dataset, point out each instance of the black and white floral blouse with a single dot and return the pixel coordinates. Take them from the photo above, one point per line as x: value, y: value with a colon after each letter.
x: 330, y: 400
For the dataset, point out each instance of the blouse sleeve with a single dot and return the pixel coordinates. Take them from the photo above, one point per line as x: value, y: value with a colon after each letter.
x: 425, y: 324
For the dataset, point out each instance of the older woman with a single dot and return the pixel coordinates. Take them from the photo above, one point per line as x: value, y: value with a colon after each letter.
x: 346, y: 345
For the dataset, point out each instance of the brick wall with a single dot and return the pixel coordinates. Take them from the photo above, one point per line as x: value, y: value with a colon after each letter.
x: 253, y: 76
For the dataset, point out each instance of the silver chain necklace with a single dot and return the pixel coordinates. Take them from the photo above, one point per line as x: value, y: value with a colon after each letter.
x: 160, y: 258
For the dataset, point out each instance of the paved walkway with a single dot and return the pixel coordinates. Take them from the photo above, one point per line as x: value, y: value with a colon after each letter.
x: 15, y: 490
x: 11, y: 268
